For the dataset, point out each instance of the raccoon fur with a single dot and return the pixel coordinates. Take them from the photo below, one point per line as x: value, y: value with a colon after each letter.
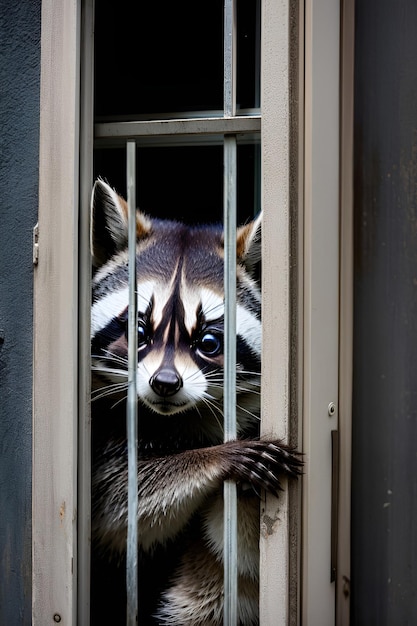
x: 183, y: 460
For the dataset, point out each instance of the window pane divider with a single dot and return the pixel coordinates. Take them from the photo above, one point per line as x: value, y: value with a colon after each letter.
x: 174, y: 115
x: 234, y: 125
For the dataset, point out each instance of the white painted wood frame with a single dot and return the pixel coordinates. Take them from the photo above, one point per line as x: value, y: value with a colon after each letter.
x: 55, y: 394
x: 321, y: 302
x: 277, y: 605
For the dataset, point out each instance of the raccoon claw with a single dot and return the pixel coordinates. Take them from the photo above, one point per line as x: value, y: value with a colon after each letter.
x: 263, y: 463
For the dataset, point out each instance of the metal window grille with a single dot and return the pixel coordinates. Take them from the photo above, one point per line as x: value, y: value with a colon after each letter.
x: 231, y: 125
x: 201, y: 129
x: 230, y: 431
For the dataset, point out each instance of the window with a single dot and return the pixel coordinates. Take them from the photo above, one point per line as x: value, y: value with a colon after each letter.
x: 178, y: 114
x: 178, y: 125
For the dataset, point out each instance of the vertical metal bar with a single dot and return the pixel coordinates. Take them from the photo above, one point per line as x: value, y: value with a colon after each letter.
x: 230, y: 493
x: 230, y: 287
x: 229, y: 63
x: 132, y: 411
x: 229, y: 208
x: 83, y: 566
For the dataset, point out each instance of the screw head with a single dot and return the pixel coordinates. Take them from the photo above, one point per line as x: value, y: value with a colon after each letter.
x: 331, y: 409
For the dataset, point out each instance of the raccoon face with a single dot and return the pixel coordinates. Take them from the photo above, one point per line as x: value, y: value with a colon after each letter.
x: 180, y: 312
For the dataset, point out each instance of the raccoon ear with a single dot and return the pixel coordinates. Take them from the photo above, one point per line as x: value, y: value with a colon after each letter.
x: 109, y: 223
x: 248, y: 243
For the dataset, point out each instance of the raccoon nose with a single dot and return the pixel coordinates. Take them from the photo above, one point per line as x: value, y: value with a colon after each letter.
x: 166, y: 382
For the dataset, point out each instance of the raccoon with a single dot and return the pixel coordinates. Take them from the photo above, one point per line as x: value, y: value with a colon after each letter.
x: 182, y: 459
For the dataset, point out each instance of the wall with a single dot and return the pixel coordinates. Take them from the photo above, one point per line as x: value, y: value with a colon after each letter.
x: 384, y: 496
x: 19, y: 115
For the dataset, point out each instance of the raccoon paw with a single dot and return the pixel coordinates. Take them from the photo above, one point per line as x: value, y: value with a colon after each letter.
x: 262, y: 463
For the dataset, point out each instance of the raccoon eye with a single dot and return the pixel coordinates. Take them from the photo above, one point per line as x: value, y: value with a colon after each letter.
x: 143, y: 335
x: 209, y: 344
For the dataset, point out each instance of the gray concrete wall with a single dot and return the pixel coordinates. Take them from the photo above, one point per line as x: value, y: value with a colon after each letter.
x: 19, y: 145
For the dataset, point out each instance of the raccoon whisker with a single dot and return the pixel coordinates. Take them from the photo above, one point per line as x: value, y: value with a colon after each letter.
x: 249, y: 386
x: 142, y: 297
x: 199, y: 412
x: 219, y: 306
x: 240, y: 389
x: 217, y: 404
x: 214, y: 378
x: 249, y: 381
x: 103, y: 355
x: 107, y: 391
x: 117, y: 357
x: 215, y: 374
x: 109, y: 386
x: 213, y: 408
x: 105, y: 364
x: 241, y: 408
x: 191, y: 376
x: 147, y: 372
x: 249, y: 373
x: 118, y: 401
x: 243, y: 389
x: 109, y: 370
x: 113, y: 358
x: 216, y: 384
x: 104, y: 359
x: 105, y: 395
x: 209, y: 396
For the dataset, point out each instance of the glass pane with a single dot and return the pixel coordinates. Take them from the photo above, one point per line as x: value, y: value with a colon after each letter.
x: 152, y: 60
x: 158, y: 58
x: 248, y: 54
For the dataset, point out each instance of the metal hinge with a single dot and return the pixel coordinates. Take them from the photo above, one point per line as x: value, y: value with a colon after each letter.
x: 35, y: 244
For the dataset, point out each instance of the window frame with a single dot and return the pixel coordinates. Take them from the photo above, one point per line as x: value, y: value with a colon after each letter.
x: 278, y: 597
x: 61, y: 346
x: 320, y: 302
x: 326, y: 254
x: 55, y: 380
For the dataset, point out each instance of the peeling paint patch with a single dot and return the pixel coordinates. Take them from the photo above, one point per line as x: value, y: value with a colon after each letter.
x: 62, y: 511
x: 268, y: 524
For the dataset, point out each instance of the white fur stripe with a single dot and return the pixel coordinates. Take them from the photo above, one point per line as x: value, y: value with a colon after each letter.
x: 247, y: 324
x: 249, y: 328
x: 108, y: 308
